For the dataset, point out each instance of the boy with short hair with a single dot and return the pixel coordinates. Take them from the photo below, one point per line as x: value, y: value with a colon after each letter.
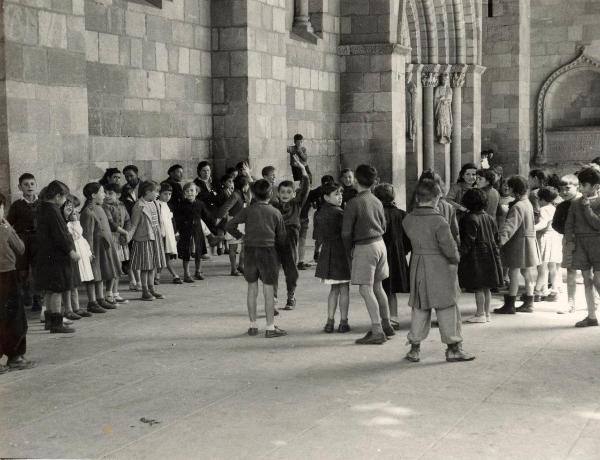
x: 568, y: 191
x: 347, y: 179
x: 582, y: 229
x: 265, y: 231
x: 433, y: 275
x: 268, y: 174
x: 290, y: 204
x: 299, y: 151
x: 362, y: 232
x: 22, y: 217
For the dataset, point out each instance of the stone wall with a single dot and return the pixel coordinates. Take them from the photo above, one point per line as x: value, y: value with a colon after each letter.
x: 45, y: 114
x: 575, y: 101
x: 148, y: 82
x: 313, y: 104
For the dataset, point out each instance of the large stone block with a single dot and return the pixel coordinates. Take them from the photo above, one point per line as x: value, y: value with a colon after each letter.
x: 21, y: 24
x: 158, y: 29
x: 16, y: 112
x: 135, y: 24
x: 108, y: 48
x: 76, y: 34
x: 183, y: 34
x: 14, y: 61
x: 148, y: 55
x: 137, y: 52
x: 156, y: 85
x: 66, y: 68
x: 52, y: 30
x: 184, y: 61
x: 35, y: 65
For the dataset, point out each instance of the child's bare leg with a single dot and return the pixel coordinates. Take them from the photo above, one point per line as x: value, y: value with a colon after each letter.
x: 393, y: 303
x: 91, y: 291
x: 242, y: 258
x: 198, y: 264
x: 382, y: 300
x: 590, y: 295
x: 552, y: 276
x: 75, y: 299
x: 99, y: 287
x: 54, y: 302
x: 571, y: 285
x: 344, y: 301
x: 170, y: 268
x: 186, y: 268
x: 332, y: 301
x: 368, y: 295
x: 233, y: 257
x: 480, y: 302
x: 66, y: 303
x: 529, y: 273
x: 251, y: 302
x: 541, y: 285
x: 513, y: 274
x: 145, y: 280
x: 488, y: 301
x: 269, y: 305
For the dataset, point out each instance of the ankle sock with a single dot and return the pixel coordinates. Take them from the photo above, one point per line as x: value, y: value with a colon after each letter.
x: 271, y: 327
x: 253, y: 324
x: 377, y: 328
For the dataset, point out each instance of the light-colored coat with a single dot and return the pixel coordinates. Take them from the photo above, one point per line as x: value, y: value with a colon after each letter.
x: 434, y: 260
x: 517, y: 236
x: 141, y: 221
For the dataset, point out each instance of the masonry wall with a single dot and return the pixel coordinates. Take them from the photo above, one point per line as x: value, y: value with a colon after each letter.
x: 148, y: 81
x: 44, y: 116
x: 558, y: 29
x: 313, y: 82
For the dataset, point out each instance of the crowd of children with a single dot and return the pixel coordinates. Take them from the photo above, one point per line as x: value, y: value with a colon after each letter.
x: 483, y: 235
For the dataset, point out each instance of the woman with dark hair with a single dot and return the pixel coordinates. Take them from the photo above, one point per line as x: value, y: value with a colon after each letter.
x: 111, y: 176
x: 486, y: 179
x: 466, y: 180
x: 207, y: 192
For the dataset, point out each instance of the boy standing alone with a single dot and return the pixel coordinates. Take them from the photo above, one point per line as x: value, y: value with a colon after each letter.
x: 362, y: 232
x: 265, y: 230
x: 433, y: 275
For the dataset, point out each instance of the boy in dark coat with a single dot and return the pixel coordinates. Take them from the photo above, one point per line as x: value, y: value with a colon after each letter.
x: 398, y: 247
x: 433, y: 275
x: 21, y: 216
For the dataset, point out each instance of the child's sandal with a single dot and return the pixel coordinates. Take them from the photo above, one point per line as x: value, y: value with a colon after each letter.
x: 329, y: 326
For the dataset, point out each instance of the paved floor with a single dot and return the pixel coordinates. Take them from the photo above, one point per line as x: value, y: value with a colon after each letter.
x: 214, y: 392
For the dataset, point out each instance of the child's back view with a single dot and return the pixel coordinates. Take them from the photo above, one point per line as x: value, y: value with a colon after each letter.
x: 433, y: 275
x: 264, y: 231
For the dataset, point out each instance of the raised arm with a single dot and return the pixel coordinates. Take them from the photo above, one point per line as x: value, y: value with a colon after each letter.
x: 590, y: 215
x: 302, y: 194
x: 231, y: 226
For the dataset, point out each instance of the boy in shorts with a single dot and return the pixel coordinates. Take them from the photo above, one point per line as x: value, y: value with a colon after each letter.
x: 568, y: 191
x: 583, y: 230
x: 362, y: 232
x: 265, y: 230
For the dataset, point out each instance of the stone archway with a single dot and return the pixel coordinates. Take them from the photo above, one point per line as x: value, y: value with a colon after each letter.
x: 587, y: 59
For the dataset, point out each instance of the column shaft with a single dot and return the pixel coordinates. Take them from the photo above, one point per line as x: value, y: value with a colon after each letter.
x: 301, y: 17
x: 430, y: 81
x: 457, y: 82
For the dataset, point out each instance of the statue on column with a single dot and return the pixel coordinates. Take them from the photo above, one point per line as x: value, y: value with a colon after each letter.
x: 443, y: 110
x: 411, y: 122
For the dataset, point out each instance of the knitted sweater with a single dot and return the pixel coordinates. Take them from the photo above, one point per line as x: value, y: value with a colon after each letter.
x: 264, y: 226
x: 364, y: 220
x: 583, y: 219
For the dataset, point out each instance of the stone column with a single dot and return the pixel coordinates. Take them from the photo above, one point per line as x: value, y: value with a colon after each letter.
x: 429, y: 79
x: 372, y: 115
x: 457, y: 80
x: 471, y: 115
x: 249, y: 86
x: 414, y: 146
x: 302, y: 26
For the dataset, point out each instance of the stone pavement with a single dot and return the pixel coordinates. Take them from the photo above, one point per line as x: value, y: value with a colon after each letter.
x: 214, y: 392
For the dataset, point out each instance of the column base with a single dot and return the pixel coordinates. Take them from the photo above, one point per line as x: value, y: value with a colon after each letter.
x: 305, y: 32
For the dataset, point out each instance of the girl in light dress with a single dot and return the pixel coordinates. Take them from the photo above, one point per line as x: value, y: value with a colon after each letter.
x: 168, y: 231
x: 82, y: 269
x: 550, y: 243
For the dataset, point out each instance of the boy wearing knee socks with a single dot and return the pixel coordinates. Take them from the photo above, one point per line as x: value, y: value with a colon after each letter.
x: 362, y: 232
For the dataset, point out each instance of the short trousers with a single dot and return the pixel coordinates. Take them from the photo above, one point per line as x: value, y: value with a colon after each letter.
x: 369, y: 263
x: 567, y: 255
x: 303, y: 228
x: 587, y: 253
x: 261, y: 263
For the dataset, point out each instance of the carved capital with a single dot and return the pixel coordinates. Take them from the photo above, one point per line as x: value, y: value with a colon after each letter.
x: 430, y: 79
x: 457, y: 79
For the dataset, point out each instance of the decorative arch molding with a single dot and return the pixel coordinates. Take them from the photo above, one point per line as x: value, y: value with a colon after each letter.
x: 588, y: 59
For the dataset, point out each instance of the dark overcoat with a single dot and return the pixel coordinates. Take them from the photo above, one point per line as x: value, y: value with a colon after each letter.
x: 398, y: 246
x: 333, y: 261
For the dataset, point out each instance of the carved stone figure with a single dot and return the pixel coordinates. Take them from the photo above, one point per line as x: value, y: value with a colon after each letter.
x: 443, y: 110
x: 411, y: 123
